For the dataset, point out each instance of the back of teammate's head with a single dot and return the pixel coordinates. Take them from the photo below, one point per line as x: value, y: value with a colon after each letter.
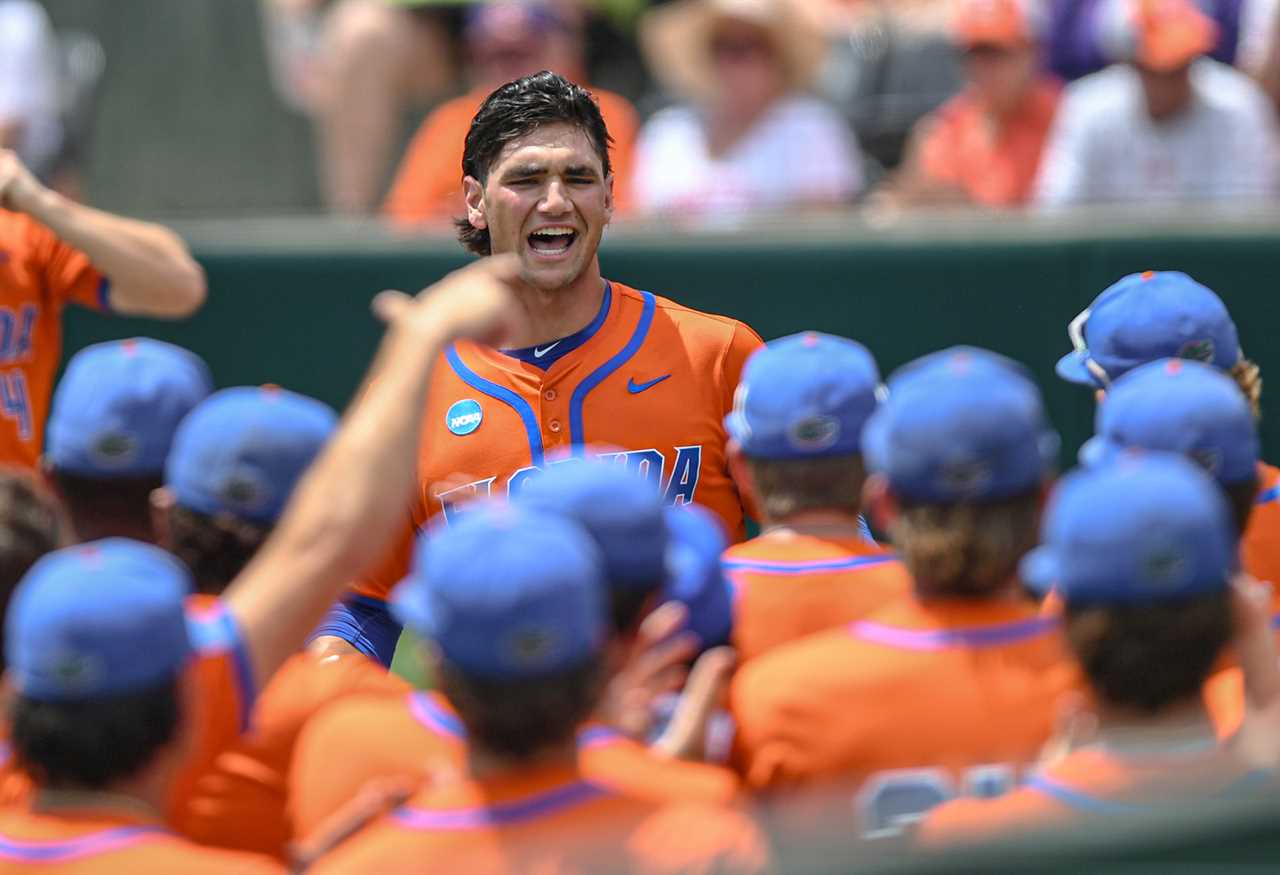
x: 96, y: 641
x: 1156, y: 315
x: 30, y: 527
x: 235, y: 461
x: 797, y: 423
x: 1142, y: 552
x: 112, y: 421
x: 961, y: 451
x: 1188, y: 408
x: 622, y: 512
x: 514, y: 603
x: 514, y: 111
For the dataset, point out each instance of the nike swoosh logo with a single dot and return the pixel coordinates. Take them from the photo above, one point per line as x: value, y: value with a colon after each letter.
x: 636, y: 388
x: 539, y: 352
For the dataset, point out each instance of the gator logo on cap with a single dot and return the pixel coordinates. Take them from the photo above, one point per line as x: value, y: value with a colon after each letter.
x: 1197, y: 351
x: 1165, y: 568
x: 966, y: 478
x: 533, y: 647
x: 243, y: 492
x: 814, y: 433
x: 464, y: 416
x: 114, y: 450
x: 1208, y: 458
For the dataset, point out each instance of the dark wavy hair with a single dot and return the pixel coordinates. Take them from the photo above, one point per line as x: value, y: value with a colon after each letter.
x: 513, y: 111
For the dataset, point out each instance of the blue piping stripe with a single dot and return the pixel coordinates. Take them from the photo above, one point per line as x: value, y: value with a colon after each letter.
x: 82, y: 846
x: 1080, y: 800
x: 1268, y: 496
x: 500, y: 393
x: 217, y: 633
x: 765, y: 566
x: 104, y: 295
x: 1275, y: 621
x: 596, y: 736
x: 938, y: 639
x: 577, y: 428
x: 541, y: 805
x: 431, y: 715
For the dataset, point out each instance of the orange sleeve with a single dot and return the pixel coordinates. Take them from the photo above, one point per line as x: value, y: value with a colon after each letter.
x: 428, y: 182
x: 68, y: 274
x: 691, y: 838
x: 937, y: 148
x: 624, y: 125
x: 382, y: 578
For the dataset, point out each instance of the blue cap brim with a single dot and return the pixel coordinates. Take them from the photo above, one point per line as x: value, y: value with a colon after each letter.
x: 1039, y: 570
x: 1072, y: 368
x: 735, y: 425
x: 408, y: 605
x: 1097, y: 451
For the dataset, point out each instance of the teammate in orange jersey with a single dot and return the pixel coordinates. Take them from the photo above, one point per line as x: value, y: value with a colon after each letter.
x: 796, y: 447
x: 1142, y: 552
x: 591, y: 361
x: 235, y: 461
x: 1165, y: 314
x: 113, y: 418
x: 639, y: 544
x: 53, y: 253
x: 952, y: 687
x: 516, y: 606
x: 101, y: 715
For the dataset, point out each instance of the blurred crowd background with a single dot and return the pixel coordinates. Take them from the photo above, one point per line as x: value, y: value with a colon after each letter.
x: 717, y: 107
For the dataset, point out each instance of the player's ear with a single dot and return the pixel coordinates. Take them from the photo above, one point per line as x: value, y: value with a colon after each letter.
x: 473, y: 193
x: 608, y: 199
x: 162, y: 502
x: 879, y: 502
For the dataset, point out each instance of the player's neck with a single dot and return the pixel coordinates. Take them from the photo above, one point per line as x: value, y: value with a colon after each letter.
x: 140, y: 798
x: 1183, y: 727
x: 832, y: 524
x: 483, y: 765
x: 551, y: 315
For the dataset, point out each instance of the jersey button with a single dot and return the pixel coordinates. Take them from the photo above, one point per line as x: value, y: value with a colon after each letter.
x: 550, y: 394
x: 554, y: 426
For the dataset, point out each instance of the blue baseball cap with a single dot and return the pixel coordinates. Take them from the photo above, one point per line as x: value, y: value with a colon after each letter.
x: 507, y: 593
x: 98, y: 620
x: 962, y: 424
x: 1180, y: 407
x: 242, y: 451
x: 695, y: 576
x: 1151, y: 527
x: 1144, y: 317
x: 804, y: 396
x: 620, y: 509
x: 118, y: 405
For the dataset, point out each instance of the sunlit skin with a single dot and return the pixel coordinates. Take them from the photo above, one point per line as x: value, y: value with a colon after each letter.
x: 552, y: 178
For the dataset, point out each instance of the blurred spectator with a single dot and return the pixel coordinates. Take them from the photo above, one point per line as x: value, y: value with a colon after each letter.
x: 504, y: 41
x: 29, y: 117
x: 356, y: 66
x: 984, y: 145
x: 747, y: 137
x: 1170, y: 125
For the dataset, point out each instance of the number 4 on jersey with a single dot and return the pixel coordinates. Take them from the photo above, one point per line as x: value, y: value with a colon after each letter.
x: 14, y: 403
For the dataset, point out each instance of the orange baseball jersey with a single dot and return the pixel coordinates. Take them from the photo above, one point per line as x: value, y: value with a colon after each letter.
x: 920, y: 698
x: 1260, y: 546
x: 648, y: 376
x: 1093, y: 782
x: 224, y: 695
x: 240, y: 800
x: 553, y: 821
x: 786, y: 586
x: 418, y: 731
x: 86, y: 842
x: 39, y: 275
x: 428, y: 182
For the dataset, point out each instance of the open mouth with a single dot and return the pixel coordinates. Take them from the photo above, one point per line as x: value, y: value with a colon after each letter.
x: 552, y: 242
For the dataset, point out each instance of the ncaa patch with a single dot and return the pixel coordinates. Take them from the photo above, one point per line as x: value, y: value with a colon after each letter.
x: 463, y: 417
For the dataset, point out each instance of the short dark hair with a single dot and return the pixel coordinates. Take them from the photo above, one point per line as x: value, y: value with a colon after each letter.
x: 215, y: 548
x: 510, y: 113
x: 92, y: 745
x: 1150, y: 656
x: 30, y: 527
x: 791, y: 486
x: 1242, y: 498
x: 517, y: 719
x: 627, y: 607
x: 967, y: 550
x: 105, y: 507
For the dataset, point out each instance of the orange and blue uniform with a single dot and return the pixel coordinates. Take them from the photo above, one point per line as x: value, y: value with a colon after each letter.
x: 39, y: 275
x: 648, y: 376
x: 786, y: 586
x: 1260, y: 546
x: 550, y: 820
x: 239, y: 800
x: 416, y: 732
x: 1093, y: 782
x: 86, y: 842
x: 918, y: 699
